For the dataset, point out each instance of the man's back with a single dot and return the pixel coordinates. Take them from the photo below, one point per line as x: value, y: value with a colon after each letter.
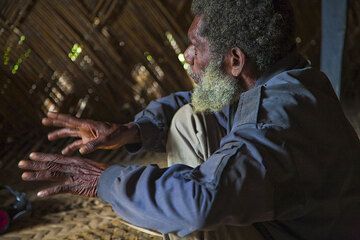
x: 323, y: 150
x: 288, y: 164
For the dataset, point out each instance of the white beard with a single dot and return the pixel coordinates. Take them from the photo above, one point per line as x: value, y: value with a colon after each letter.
x: 214, y: 90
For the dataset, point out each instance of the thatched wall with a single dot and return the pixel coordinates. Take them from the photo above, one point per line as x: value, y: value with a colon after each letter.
x: 101, y: 59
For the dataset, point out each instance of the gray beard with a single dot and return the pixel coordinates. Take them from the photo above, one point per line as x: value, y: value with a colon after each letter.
x: 214, y: 90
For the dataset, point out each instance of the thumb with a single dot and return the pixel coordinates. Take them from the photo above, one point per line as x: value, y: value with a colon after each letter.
x: 90, y: 146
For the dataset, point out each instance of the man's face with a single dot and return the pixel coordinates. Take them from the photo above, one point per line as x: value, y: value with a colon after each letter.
x: 198, y: 52
x: 215, y: 89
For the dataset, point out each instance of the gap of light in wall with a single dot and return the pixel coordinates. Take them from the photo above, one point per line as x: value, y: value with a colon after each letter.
x: 144, y: 82
x: 57, y: 94
x: 176, y: 48
x: 23, y: 56
x: 82, y: 105
x: 6, y: 57
x: 20, y: 60
x: 21, y: 40
x: 65, y: 84
x: 140, y: 74
x: 49, y: 106
x: 154, y: 66
x: 75, y: 52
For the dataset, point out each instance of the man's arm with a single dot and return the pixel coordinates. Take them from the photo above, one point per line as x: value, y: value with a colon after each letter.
x: 154, y: 121
x: 240, y: 184
x: 148, y: 131
x: 91, y: 135
x: 234, y: 186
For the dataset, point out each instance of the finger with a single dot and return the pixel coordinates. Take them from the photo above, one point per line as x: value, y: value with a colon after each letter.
x: 71, y: 166
x: 55, y: 123
x: 63, y: 133
x: 43, y: 176
x: 73, y: 121
x: 90, y: 146
x: 65, y: 163
x: 52, y: 191
x: 72, y: 147
x: 45, y: 157
x: 38, y: 166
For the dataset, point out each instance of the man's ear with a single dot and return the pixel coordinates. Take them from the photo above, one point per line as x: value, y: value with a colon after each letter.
x: 237, y: 60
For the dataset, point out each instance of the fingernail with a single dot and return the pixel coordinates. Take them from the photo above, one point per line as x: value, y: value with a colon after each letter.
x: 21, y: 163
x: 25, y: 176
x: 82, y: 151
x: 32, y: 155
x: 63, y: 152
x: 41, y: 194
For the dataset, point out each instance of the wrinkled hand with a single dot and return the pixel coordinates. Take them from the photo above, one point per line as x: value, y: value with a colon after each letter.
x: 93, y: 135
x: 72, y: 175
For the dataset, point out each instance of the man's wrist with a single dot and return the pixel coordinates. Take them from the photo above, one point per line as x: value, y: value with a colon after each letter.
x: 134, y: 133
x: 122, y: 134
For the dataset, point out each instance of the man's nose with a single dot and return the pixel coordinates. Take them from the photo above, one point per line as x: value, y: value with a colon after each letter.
x: 189, y: 55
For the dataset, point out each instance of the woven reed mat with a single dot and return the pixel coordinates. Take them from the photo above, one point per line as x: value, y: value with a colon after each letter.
x: 67, y: 216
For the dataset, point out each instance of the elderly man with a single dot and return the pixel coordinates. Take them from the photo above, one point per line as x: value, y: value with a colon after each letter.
x: 259, y: 150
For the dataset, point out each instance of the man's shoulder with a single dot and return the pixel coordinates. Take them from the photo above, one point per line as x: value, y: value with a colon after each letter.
x: 290, y: 95
x: 303, y: 85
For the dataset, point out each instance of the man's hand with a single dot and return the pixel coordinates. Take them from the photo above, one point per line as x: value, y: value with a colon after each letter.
x: 73, y: 175
x: 94, y: 135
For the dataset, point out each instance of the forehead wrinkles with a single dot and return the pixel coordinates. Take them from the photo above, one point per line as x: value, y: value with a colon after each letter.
x: 196, y: 29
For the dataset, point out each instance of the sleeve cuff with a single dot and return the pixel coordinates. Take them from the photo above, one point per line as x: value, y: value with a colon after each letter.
x: 106, y: 182
x: 149, y: 135
x: 134, y: 148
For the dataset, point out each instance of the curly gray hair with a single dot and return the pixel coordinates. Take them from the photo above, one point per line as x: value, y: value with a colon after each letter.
x: 263, y: 29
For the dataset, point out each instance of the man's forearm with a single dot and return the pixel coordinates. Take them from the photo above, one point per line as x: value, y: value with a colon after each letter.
x: 155, y: 119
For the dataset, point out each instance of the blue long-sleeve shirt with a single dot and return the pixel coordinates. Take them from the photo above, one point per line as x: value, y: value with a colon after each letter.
x: 289, y: 164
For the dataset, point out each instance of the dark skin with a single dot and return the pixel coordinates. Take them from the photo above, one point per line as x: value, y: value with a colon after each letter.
x: 73, y: 175
x: 79, y: 175
x: 93, y: 135
x: 198, y: 55
x: 76, y: 175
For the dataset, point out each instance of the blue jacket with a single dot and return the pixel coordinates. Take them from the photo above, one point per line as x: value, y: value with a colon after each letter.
x: 289, y: 164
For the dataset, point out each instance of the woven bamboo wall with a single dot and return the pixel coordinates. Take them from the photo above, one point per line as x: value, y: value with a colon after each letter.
x: 101, y: 59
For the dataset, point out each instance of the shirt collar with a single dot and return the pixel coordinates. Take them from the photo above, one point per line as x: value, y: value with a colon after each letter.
x: 292, y: 61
